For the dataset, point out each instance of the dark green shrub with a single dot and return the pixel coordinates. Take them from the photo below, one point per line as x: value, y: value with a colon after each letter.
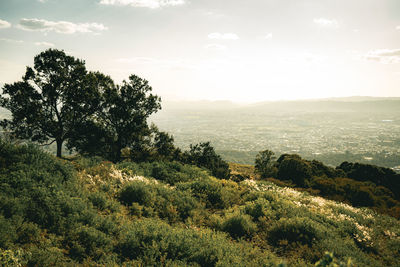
x: 158, y: 199
x: 204, y: 155
x: 138, y: 192
x: 89, y: 242
x: 295, y: 230
x: 292, y: 167
x: 256, y: 209
x: 99, y: 200
x: 48, y: 256
x: 28, y: 233
x: 239, y: 225
x: 8, y: 233
x: 209, y: 191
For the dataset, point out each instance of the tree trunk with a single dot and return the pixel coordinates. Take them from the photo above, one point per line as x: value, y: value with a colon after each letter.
x: 59, y: 148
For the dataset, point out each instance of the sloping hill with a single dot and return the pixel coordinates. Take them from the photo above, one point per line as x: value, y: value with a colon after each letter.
x: 91, y: 212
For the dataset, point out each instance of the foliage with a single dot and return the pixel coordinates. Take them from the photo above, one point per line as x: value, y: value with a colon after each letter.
x: 88, y: 212
x: 378, y: 175
x: 204, y: 155
x: 296, y: 230
x: 239, y: 225
x: 156, y: 243
x: 264, y: 164
x: 358, y: 184
x: 53, y: 98
x: 330, y: 261
x: 292, y: 167
x: 171, y: 172
x: 121, y: 121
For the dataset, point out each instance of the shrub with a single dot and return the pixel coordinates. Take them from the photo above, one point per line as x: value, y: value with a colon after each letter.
x: 157, y: 199
x: 292, y: 167
x: 204, y: 155
x: 239, y: 225
x: 295, y: 230
x: 138, y: 192
x: 156, y: 243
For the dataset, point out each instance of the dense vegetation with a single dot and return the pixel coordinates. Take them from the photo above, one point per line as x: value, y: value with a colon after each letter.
x: 361, y: 185
x: 89, y: 211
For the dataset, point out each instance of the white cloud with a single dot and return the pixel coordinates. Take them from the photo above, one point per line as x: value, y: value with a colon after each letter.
x: 44, y: 44
x: 385, y: 56
x: 4, y: 24
x: 11, y: 41
x: 326, y: 23
x: 143, y: 3
x: 216, y: 47
x: 268, y: 36
x: 64, y: 27
x: 223, y: 36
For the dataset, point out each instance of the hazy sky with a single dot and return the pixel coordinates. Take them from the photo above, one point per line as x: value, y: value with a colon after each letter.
x: 238, y: 50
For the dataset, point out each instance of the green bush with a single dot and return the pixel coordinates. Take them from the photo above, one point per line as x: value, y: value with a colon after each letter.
x: 295, y: 230
x: 138, y: 192
x: 155, y: 243
x: 145, y: 199
x: 89, y: 242
x: 294, y: 168
x: 169, y: 172
x: 239, y: 225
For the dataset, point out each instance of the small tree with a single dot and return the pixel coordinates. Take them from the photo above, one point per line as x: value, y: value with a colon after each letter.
x: 204, y: 155
x: 164, y: 144
x: 53, y: 98
x: 264, y: 164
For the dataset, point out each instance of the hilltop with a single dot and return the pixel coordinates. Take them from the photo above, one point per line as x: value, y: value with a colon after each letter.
x: 87, y: 211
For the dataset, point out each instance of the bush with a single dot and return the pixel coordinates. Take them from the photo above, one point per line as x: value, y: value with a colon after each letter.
x: 147, y: 199
x: 138, y: 192
x: 292, y: 167
x: 294, y: 231
x: 204, y: 155
x: 239, y: 225
x: 217, y: 194
x: 169, y: 172
x: 155, y: 243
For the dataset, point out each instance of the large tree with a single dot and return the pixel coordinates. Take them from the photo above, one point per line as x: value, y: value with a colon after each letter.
x: 121, y: 120
x: 53, y: 98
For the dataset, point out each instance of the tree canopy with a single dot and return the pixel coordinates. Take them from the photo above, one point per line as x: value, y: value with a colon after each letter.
x: 120, y: 121
x: 53, y: 98
x: 264, y: 164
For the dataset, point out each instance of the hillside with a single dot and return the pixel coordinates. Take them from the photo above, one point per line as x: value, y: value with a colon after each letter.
x: 86, y: 211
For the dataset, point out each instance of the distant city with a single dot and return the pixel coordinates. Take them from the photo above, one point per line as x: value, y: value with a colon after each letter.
x: 334, y: 130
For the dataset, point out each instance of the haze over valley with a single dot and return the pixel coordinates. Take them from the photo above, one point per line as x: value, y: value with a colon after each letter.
x: 362, y: 129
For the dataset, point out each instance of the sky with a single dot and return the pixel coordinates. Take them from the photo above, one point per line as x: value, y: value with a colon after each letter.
x: 242, y: 51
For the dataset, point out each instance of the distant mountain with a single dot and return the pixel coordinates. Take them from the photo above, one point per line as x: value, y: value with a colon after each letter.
x: 199, y: 105
x: 341, y: 104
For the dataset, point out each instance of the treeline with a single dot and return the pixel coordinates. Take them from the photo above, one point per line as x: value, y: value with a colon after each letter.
x: 59, y: 101
x: 361, y: 185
